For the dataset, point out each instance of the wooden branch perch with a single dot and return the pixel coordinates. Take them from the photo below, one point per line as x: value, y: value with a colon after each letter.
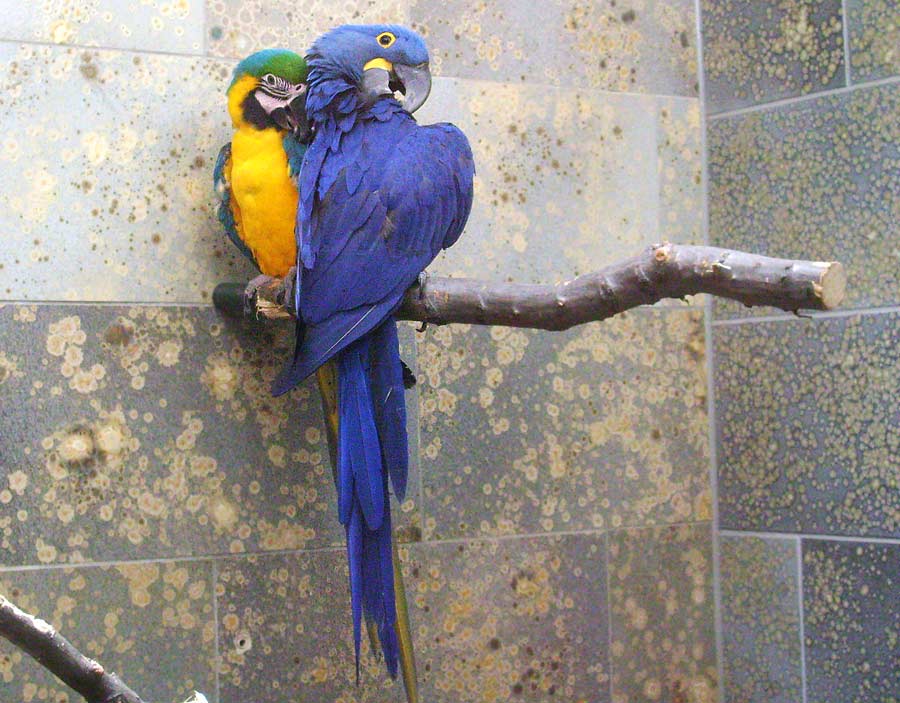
x: 55, y: 653
x: 662, y: 271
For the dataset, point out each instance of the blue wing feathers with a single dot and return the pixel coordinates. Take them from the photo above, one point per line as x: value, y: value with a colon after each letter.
x: 390, y: 404
x: 223, y: 210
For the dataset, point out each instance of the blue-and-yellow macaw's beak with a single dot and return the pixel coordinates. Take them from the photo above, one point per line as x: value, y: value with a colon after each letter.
x: 409, y: 84
x: 285, y: 103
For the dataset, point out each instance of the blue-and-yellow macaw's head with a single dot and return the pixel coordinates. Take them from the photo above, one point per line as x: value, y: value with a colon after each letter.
x: 379, y: 59
x: 268, y: 90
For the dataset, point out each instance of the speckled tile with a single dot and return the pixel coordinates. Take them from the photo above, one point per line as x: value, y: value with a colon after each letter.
x: 661, y: 611
x: 155, y: 25
x: 238, y: 27
x: 874, y: 39
x: 756, y: 52
x: 149, y: 431
x: 760, y: 620
x: 136, y: 619
x: 680, y: 170
x: 518, y: 619
x: 601, y: 426
x: 851, y: 621
x: 105, y: 185
x: 806, y: 413
x: 286, y: 632
x: 566, y: 182
x: 491, y: 619
x: 634, y: 46
x: 814, y: 180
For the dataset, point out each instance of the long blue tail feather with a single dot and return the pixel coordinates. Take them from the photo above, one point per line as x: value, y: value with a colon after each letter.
x: 372, y: 444
x: 390, y: 403
x: 355, y: 552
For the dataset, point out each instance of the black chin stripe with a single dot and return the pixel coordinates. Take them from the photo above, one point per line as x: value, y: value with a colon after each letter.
x: 254, y: 113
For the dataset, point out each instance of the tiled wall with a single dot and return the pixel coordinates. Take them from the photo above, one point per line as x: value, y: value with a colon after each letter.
x: 803, y: 132
x: 167, y: 514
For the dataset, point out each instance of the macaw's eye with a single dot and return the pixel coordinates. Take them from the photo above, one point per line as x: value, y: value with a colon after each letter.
x: 269, y: 79
x: 385, y: 39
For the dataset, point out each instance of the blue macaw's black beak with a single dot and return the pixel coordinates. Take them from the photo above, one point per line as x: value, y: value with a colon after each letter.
x: 292, y: 118
x: 297, y: 110
x: 413, y: 83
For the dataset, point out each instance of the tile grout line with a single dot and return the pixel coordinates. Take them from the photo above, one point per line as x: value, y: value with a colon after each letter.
x: 813, y: 315
x: 713, y: 470
x: 225, y: 556
x: 800, y: 99
x: 120, y: 49
x: 204, y: 53
x: 609, y: 627
x: 845, y: 29
x: 216, y: 647
x: 799, y: 548
x: 810, y: 536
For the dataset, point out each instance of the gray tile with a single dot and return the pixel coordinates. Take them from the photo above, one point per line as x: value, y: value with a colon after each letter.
x: 874, y: 39
x: 601, y: 426
x: 150, y: 431
x: 627, y: 46
x: 756, y: 52
x: 236, y: 28
x: 490, y: 619
x: 175, y: 26
x: 815, y: 180
x: 517, y: 619
x: 661, y: 612
x: 805, y: 417
x: 135, y: 619
x: 680, y: 170
x: 566, y: 181
x: 851, y: 621
x: 285, y: 632
x: 760, y: 620
x: 105, y: 184
x: 622, y: 47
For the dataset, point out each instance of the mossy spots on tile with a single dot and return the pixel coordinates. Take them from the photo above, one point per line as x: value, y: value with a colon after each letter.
x: 758, y: 52
x: 804, y: 446
x: 852, y: 625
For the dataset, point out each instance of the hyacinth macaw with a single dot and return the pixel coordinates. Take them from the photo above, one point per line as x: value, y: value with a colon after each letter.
x: 380, y: 196
x: 255, y: 174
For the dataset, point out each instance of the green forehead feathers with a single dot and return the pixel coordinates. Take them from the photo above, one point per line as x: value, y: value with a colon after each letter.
x: 279, y: 62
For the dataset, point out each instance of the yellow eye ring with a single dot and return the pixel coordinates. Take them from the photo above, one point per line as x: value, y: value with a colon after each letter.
x: 385, y: 39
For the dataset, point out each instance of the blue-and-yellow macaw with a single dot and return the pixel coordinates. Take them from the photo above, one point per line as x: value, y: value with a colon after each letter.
x: 255, y: 175
x: 380, y: 196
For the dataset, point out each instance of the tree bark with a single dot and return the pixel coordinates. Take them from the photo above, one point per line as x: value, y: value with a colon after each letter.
x: 662, y: 271
x: 56, y: 654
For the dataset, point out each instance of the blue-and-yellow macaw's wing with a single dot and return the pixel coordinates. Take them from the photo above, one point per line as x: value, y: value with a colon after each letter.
x: 227, y: 210
x: 380, y: 196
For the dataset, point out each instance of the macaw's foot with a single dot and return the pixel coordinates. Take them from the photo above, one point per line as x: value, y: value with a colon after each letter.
x: 409, y: 378
x: 422, y: 280
x: 251, y: 293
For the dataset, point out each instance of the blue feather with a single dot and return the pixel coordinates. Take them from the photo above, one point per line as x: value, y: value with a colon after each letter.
x: 223, y: 210
x: 355, y: 550
x: 358, y: 439
x: 390, y: 404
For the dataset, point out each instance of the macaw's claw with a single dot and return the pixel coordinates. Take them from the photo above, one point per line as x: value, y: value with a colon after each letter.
x: 286, y: 297
x: 251, y: 293
x: 409, y: 378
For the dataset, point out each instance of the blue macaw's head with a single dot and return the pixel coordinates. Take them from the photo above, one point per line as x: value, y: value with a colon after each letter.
x: 379, y: 59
